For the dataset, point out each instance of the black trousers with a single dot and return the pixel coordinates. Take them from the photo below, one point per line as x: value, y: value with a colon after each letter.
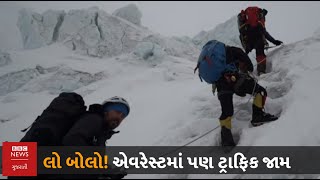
x: 243, y: 85
x: 257, y: 42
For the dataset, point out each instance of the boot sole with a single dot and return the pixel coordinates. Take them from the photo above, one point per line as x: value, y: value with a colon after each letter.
x: 261, y: 123
x: 257, y: 124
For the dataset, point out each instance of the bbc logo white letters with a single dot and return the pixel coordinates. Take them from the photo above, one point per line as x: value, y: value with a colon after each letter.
x: 19, y: 148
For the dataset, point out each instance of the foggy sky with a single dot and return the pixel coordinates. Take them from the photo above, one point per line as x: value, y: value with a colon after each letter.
x: 287, y: 21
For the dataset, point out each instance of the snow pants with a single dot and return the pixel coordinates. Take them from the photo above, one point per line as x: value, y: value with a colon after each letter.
x: 242, y: 85
x: 258, y: 44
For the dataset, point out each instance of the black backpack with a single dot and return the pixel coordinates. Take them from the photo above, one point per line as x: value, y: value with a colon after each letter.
x: 55, y: 121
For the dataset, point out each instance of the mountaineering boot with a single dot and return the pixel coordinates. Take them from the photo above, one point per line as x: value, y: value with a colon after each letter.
x: 260, y: 117
x: 226, y: 135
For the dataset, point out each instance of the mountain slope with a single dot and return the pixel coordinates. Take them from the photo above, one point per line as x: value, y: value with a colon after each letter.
x: 170, y: 106
x: 226, y: 32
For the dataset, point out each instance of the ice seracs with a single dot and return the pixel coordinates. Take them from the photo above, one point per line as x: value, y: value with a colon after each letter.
x: 130, y: 13
x: 226, y: 32
x: 37, y: 29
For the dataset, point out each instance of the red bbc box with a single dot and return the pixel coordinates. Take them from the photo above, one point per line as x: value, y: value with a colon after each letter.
x: 19, y: 159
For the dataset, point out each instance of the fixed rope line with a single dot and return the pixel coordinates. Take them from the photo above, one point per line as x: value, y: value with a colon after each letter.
x: 211, y: 130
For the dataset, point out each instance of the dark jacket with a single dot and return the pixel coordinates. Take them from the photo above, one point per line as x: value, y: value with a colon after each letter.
x: 269, y: 37
x: 65, y: 122
x: 257, y: 33
x: 254, y: 34
x: 244, y: 64
x: 239, y: 57
x: 90, y: 130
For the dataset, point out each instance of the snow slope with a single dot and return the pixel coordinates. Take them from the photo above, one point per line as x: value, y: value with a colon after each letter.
x: 292, y: 87
x: 33, y: 75
x: 170, y: 106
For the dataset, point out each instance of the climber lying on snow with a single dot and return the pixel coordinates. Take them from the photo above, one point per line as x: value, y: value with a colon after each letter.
x: 226, y: 68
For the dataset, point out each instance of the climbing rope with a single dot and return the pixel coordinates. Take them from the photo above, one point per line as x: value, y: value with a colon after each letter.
x: 211, y: 130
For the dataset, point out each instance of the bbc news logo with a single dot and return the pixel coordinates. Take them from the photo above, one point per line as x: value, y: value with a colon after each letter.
x: 19, y: 152
x: 19, y: 148
x: 19, y: 159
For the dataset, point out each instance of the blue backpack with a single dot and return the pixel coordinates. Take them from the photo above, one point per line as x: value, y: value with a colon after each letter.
x: 212, y: 62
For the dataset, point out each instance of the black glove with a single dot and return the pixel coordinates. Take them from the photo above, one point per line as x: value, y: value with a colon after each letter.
x: 250, y: 68
x: 241, y: 94
x: 277, y: 42
x: 264, y: 12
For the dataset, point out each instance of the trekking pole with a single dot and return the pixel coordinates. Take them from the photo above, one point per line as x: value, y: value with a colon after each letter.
x: 266, y: 57
x: 270, y: 47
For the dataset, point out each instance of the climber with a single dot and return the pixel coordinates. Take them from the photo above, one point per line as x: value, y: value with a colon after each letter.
x: 228, y: 69
x: 66, y: 122
x: 253, y: 34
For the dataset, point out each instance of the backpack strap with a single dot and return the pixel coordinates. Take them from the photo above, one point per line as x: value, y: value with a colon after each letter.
x: 97, y: 109
x: 195, y: 69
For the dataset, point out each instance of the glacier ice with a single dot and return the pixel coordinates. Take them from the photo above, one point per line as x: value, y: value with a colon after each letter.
x: 37, y: 29
x: 63, y: 80
x: 96, y: 33
x: 148, y: 51
x: 13, y: 81
x: 28, y: 26
x: 226, y: 32
x: 130, y: 13
x: 54, y: 79
x: 4, y: 58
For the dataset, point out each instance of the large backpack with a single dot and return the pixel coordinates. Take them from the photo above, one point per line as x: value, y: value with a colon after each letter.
x: 212, y: 62
x: 56, y: 120
x: 252, y: 17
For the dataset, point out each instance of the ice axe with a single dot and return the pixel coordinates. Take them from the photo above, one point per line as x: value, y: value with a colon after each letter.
x: 270, y: 47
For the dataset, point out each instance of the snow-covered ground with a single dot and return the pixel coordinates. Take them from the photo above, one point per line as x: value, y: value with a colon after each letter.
x: 150, y: 87
x: 169, y: 104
